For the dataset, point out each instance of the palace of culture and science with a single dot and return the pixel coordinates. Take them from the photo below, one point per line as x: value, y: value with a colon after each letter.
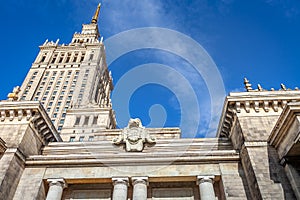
x: 58, y: 139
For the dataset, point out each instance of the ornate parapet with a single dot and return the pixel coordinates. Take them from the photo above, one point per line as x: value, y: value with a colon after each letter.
x: 134, y: 136
x: 253, y: 103
x: 28, y: 112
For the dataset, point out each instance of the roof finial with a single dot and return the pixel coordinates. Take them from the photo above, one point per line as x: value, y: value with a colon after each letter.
x: 247, y: 85
x: 95, y: 17
x: 282, y: 86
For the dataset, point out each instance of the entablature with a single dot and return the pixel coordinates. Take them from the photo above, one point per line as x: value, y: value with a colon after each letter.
x: 254, y: 103
x: 21, y: 112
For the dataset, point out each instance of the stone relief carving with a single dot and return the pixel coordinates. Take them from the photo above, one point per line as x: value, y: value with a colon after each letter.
x: 134, y: 136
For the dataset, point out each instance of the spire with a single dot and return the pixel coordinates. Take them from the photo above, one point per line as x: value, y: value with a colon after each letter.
x: 95, y: 17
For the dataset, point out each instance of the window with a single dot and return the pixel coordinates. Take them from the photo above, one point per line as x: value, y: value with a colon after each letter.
x: 61, y: 97
x: 47, y: 74
x: 43, y: 58
x: 95, y: 119
x: 62, y: 121
x: 77, y: 120
x: 91, y: 138
x: 75, y: 57
x: 50, y: 103
x: 36, y: 98
x: 63, y: 115
x: 72, y: 139
x: 35, y: 73
x: 86, y: 120
x: 54, y: 58
x: 59, y: 103
x: 59, y: 128
x: 91, y: 57
x: 46, y: 93
x: 82, y: 57
x: 54, y: 115
x: 81, y: 138
x: 48, y: 109
x: 44, y: 98
x: 54, y: 93
x: 68, y: 57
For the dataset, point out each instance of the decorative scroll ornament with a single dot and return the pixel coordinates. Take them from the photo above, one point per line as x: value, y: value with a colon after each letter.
x: 14, y: 95
x: 134, y: 136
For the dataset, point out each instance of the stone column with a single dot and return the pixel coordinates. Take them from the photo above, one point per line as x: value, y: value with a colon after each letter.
x: 206, y: 187
x: 56, y: 187
x: 140, y: 188
x: 120, y: 188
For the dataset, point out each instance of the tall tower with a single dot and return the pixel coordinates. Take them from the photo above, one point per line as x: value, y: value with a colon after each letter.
x: 72, y: 82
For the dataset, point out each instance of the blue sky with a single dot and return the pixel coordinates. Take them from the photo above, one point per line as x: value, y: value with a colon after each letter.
x: 257, y: 39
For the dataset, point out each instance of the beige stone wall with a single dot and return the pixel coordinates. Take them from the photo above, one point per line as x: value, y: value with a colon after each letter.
x: 233, y: 181
x: 11, y: 169
x: 31, y: 185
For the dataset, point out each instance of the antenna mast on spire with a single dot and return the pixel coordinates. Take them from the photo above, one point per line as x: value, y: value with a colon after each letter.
x: 95, y: 17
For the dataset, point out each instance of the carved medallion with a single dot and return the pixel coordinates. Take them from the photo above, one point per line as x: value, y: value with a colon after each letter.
x: 134, y: 136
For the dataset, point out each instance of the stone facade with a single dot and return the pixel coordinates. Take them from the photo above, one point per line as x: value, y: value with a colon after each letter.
x: 255, y: 154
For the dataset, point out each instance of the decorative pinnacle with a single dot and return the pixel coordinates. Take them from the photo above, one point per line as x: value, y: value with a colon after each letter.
x: 259, y: 87
x: 95, y: 17
x: 247, y: 85
x: 282, y: 86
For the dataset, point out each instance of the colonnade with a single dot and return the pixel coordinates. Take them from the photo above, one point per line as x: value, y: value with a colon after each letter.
x: 140, y: 185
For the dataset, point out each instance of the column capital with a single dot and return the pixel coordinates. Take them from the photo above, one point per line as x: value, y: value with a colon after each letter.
x: 120, y: 180
x: 205, y: 178
x: 140, y: 179
x: 58, y: 182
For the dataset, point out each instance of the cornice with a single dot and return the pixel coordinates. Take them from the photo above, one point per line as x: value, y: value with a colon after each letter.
x: 29, y: 112
x: 166, y: 151
x: 253, y: 104
x: 284, y: 123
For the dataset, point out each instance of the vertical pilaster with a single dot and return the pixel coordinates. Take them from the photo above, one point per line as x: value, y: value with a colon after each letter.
x: 120, y: 188
x: 140, y: 185
x: 56, y: 187
x: 206, y: 187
